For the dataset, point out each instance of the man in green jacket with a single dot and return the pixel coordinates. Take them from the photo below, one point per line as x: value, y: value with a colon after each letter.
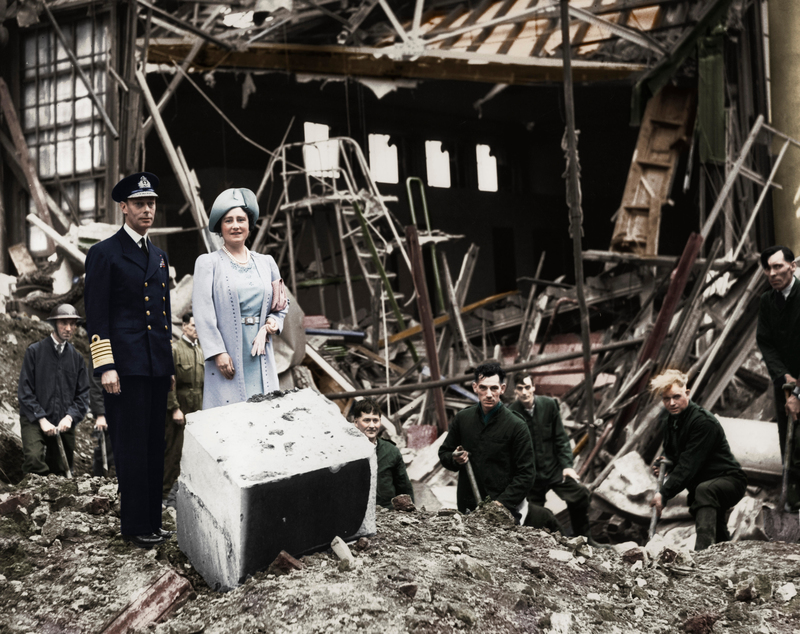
x: 187, y: 397
x: 495, y: 441
x: 392, y: 477
x: 554, y: 464
x: 778, y: 338
x: 702, y: 461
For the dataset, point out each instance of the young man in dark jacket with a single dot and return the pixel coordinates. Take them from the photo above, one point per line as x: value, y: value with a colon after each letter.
x: 702, y: 461
x: 495, y: 441
x: 392, y: 477
x: 53, y: 394
x: 554, y: 464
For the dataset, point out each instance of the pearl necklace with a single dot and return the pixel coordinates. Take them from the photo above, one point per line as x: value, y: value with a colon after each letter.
x: 230, y: 255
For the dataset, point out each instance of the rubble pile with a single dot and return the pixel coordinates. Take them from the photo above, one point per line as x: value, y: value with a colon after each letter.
x: 65, y: 569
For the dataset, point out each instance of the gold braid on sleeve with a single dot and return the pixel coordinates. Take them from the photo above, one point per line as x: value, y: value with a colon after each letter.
x: 101, y: 352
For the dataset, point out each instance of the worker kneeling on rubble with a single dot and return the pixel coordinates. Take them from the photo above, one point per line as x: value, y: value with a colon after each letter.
x: 493, y: 442
x: 392, y: 477
x: 554, y: 464
x: 695, y: 443
x: 53, y: 396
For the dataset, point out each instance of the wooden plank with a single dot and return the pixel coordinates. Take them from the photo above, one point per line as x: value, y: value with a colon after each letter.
x: 443, y: 319
x: 19, y: 172
x: 21, y: 258
x: 426, y: 319
x: 652, y: 170
x: 376, y: 357
x: 69, y: 248
x: 373, y: 62
x: 151, y: 604
x: 344, y: 383
x: 23, y: 156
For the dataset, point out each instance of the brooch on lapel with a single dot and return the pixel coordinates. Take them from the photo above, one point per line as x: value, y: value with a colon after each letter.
x: 162, y: 265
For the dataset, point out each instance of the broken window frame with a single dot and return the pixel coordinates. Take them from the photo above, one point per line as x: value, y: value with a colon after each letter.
x: 58, y: 116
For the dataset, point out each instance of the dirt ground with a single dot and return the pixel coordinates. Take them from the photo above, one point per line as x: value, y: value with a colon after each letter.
x: 65, y: 569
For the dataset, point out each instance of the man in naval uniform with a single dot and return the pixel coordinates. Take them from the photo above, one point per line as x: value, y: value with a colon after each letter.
x: 128, y: 320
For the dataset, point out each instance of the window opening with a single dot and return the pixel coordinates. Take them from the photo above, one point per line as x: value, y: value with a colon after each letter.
x: 438, y: 164
x: 383, y: 159
x: 322, y: 157
x: 487, y: 169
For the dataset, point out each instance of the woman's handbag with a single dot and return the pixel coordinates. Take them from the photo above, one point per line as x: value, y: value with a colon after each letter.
x: 279, y: 299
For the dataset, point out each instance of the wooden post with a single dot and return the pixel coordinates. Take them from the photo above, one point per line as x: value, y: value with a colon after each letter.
x: 576, y: 218
x: 23, y: 155
x: 426, y: 319
x: 656, y: 338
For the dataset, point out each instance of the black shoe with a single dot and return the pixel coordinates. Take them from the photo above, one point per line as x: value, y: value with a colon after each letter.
x: 144, y: 541
x: 165, y: 533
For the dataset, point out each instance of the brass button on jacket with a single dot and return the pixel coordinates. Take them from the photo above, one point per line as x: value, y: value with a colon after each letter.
x: 146, y: 298
x: 149, y: 328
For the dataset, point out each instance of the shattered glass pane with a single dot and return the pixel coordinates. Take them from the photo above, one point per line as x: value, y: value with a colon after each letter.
x: 64, y: 87
x: 83, y: 154
x: 83, y: 108
x: 87, y: 197
x: 29, y: 118
x: 64, y: 151
x: 99, y: 151
x: 83, y: 31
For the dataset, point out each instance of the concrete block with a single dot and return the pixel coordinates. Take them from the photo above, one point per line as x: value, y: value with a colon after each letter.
x: 287, y: 473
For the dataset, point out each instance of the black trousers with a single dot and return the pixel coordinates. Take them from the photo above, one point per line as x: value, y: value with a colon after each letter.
x: 573, y: 493
x: 136, y: 423
x: 40, y: 451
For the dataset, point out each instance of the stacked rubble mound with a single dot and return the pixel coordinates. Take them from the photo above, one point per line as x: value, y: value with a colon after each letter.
x: 65, y: 569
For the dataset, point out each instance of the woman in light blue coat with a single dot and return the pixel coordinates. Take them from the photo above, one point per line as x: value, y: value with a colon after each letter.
x: 239, y: 304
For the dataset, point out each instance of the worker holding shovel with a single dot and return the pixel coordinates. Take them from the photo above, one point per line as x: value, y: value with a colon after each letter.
x: 695, y: 443
x: 490, y: 447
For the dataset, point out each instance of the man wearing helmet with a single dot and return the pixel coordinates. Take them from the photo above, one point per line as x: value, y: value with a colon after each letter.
x: 53, y: 395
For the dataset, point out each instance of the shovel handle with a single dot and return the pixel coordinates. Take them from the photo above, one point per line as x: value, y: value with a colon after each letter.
x: 662, y: 469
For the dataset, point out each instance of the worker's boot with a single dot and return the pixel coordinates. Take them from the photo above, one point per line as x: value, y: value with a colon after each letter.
x: 579, y: 518
x: 705, y: 524
x: 722, y: 527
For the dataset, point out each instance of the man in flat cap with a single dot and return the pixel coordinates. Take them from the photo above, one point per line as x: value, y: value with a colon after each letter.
x: 53, y: 396
x: 128, y: 320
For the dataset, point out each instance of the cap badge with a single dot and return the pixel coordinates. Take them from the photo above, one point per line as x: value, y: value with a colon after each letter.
x: 144, y: 183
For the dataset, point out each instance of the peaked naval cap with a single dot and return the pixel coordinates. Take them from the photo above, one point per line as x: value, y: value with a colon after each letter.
x: 139, y: 185
x: 230, y: 199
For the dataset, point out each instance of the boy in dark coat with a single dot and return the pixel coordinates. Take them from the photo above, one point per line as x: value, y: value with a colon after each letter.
x: 392, y: 477
x: 702, y: 461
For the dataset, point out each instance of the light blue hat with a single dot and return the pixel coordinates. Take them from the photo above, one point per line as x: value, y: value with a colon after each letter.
x: 230, y: 199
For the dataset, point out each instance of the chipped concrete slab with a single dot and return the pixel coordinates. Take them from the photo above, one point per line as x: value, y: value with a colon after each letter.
x: 287, y: 473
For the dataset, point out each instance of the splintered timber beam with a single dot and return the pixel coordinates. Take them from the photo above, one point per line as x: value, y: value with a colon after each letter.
x: 178, y: 166
x: 51, y: 233
x: 375, y: 62
x: 545, y: 359
x: 443, y: 319
x: 426, y: 318
x: 23, y: 156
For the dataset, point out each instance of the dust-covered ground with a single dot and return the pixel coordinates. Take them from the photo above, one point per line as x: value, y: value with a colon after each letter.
x: 65, y: 569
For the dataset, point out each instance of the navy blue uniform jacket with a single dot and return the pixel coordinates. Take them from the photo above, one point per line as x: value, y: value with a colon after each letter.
x: 127, y: 302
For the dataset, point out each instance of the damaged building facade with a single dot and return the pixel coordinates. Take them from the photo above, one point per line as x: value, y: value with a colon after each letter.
x: 327, y: 109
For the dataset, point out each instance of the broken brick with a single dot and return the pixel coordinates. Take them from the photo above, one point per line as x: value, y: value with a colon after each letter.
x: 403, y: 503
x: 284, y: 564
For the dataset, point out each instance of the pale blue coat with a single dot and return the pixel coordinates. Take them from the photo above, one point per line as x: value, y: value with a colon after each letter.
x: 215, y: 305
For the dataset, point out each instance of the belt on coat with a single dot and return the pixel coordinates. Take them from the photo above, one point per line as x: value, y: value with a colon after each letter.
x: 250, y: 321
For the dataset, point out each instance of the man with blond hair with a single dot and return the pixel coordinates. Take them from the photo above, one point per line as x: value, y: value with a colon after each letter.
x: 703, y: 464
